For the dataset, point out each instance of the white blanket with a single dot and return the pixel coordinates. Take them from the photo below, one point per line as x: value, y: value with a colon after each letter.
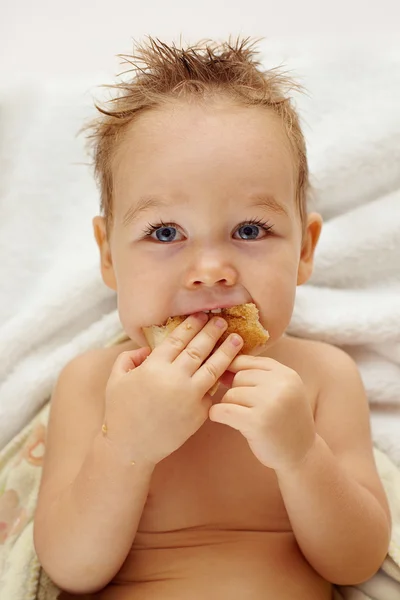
x: 53, y: 303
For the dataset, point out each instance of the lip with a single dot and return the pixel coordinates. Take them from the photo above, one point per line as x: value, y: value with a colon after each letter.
x: 214, y: 305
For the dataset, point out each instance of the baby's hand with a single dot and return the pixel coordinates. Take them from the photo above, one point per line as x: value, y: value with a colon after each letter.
x: 268, y: 404
x: 155, y: 402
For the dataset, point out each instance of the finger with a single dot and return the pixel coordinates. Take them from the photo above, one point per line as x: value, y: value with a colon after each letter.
x: 238, y: 417
x: 179, y: 338
x: 241, y: 378
x: 244, y: 361
x: 200, y: 347
x: 239, y: 396
x: 211, y: 370
x: 128, y: 360
x: 227, y: 378
x: 248, y: 378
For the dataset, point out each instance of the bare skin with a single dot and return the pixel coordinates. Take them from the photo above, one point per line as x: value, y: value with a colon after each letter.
x: 270, y: 488
x: 214, y: 522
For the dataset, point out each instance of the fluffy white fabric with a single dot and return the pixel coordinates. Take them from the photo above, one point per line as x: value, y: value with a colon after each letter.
x: 53, y: 304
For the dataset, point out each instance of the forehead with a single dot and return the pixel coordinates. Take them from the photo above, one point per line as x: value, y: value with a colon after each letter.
x: 222, y: 146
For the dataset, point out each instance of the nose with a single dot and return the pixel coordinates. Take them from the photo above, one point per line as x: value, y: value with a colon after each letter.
x: 210, y: 268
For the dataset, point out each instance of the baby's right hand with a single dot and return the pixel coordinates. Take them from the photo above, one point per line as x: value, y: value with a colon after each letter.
x: 153, y: 406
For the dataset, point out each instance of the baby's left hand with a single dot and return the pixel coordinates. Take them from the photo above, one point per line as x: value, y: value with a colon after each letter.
x: 268, y: 404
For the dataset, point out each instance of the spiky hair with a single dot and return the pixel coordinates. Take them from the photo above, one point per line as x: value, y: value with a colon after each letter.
x: 159, y: 73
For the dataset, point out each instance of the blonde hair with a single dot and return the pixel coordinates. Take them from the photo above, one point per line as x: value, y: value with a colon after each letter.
x: 160, y: 73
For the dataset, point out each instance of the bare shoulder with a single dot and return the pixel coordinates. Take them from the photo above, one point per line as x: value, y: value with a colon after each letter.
x: 316, y: 362
x: 76, y: 416
x: 307, y: 354
x: 79, y: 391
x: 93, y: 367
x: 330, y: 368
x: 335, y: 378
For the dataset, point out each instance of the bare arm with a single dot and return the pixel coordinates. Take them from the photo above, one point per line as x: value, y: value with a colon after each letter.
x: 340, y: 526
x: 91, y: 498
x: 335, y: 500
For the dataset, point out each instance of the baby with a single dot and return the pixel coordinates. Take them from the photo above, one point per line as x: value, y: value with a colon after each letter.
x: 153, y: 489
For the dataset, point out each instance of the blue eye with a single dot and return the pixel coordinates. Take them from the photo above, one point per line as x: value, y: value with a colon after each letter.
x: 162, y: 231
x: 165, y: 231
x: 250, y: 228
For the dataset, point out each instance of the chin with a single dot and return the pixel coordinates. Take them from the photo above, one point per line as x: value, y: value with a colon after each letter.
x: 134, y: 333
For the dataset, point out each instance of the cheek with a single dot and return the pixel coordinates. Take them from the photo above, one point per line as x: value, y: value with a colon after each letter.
x: 142, y: 295
x: 276, y: 295
x: 132, y: 313
x: 278, y: 315
x: 276, y: 308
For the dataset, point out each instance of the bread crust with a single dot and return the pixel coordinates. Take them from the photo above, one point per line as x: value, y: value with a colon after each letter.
x: 242, y: 319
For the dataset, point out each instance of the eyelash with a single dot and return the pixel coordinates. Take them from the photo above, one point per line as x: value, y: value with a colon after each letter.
x: 263, y: 224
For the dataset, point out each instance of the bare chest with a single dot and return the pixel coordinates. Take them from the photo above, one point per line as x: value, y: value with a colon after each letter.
x: 214, y: 482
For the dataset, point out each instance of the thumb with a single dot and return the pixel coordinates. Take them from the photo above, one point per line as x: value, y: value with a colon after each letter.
x: 130, y: 359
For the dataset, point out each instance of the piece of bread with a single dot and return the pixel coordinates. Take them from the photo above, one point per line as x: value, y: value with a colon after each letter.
x: 242, y: 319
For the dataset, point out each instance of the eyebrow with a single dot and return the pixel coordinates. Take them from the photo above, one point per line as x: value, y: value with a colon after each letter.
x: 145, y: 203
x: 269, y: 202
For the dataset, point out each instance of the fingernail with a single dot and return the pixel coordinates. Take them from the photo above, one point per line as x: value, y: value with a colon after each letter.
x: 236, y: 340
x: 221, y: 323
x: 201, y: 316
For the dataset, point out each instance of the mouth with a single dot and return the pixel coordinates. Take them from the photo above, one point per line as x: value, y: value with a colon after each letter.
x: 212, y: 307
x: 216, y: 309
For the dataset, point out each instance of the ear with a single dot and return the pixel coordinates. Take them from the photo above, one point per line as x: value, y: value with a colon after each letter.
x: 310, y: 240
x: 107, y: 269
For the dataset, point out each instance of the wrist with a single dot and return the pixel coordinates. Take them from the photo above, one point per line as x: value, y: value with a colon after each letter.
x: 297, y: 467
x: 123, y: 457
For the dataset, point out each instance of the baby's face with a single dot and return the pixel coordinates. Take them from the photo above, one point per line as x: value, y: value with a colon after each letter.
x: 204, y: 215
